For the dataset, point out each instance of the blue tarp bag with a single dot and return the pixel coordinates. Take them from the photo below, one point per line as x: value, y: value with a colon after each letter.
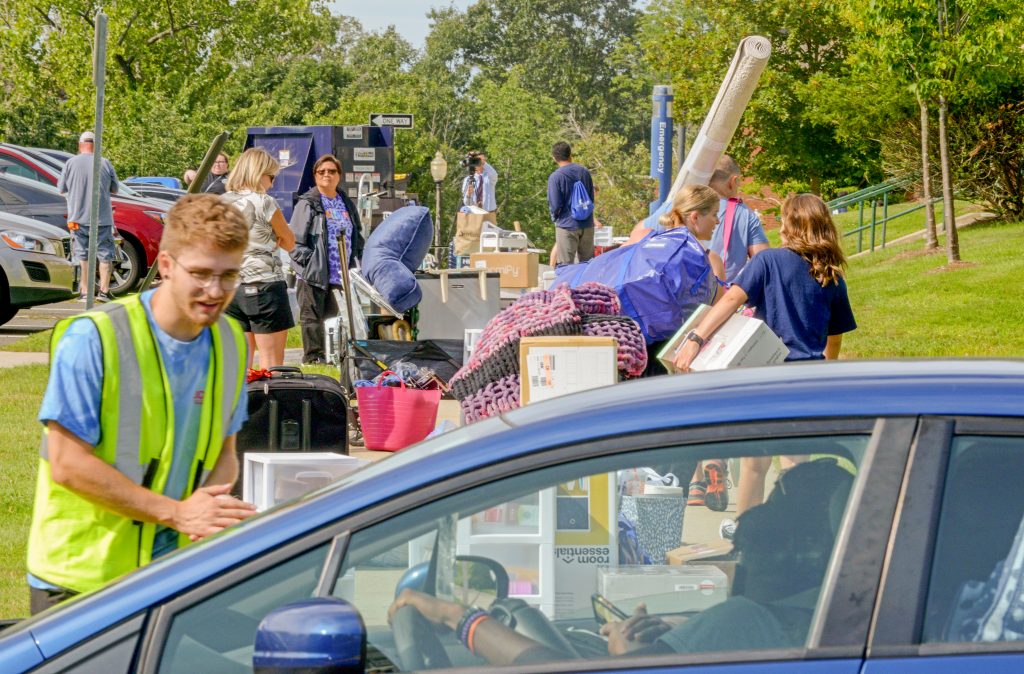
x: 580, y: 204
x: 660, y: 280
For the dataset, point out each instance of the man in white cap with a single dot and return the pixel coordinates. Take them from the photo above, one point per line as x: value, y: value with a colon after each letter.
x: 76, y: 185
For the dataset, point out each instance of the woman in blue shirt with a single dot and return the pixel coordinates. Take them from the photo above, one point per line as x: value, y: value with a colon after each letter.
x: 797, y: 289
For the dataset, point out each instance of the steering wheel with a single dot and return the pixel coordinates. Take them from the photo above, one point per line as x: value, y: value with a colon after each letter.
x: 531, y: 622
x: 416, y: 642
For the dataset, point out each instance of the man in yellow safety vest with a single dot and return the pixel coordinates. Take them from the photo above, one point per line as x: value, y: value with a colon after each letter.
x: 144, y: 399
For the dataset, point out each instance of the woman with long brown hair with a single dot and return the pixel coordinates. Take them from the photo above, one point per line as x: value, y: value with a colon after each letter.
x: 797, y: 289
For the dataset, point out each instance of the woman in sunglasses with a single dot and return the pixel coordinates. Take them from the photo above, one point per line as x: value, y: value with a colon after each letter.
x: 322, y: 217
x: 261, y: 303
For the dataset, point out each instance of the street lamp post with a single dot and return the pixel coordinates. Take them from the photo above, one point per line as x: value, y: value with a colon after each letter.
x: 438, y: 171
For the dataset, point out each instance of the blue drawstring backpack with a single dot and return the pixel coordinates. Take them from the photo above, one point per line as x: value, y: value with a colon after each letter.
x: 580, y: 203
x: 660, y: 280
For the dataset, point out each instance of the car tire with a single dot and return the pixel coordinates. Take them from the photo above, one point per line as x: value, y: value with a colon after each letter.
x: 7, y: 310
x: 128, y: 269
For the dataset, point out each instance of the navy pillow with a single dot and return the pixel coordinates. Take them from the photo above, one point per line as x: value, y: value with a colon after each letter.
x: 395, y: 250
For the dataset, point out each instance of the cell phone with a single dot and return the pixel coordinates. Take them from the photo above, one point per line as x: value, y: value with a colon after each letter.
x: 605, y: 611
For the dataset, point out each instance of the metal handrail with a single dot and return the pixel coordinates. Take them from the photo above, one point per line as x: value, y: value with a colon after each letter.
x: 872, y: 194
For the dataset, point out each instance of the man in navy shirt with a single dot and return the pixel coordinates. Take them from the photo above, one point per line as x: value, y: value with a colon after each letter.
x: 572, y: 237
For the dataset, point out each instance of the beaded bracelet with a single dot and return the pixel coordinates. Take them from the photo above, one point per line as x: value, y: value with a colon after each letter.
x: 462, y: 629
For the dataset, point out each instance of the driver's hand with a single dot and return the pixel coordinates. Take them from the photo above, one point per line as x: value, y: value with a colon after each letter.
x: 633, y: 632
x: 437, y: 611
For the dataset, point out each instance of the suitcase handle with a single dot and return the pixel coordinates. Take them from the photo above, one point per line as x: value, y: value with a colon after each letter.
x: 286, y: 371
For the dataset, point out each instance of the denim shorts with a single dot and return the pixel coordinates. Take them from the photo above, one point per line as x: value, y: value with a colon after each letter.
x: 105, y: 250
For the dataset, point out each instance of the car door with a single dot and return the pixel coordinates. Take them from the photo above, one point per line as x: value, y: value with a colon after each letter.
x: 809, y: 610
x: 951, y: 597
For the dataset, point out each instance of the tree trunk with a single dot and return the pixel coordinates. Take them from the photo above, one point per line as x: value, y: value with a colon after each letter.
x: 948, y: 215
x: 931, y: 237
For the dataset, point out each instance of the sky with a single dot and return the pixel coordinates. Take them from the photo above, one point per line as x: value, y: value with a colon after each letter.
x: 408, y: 16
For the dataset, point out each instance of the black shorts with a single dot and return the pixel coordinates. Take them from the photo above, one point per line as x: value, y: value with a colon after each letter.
x: 262, y: 308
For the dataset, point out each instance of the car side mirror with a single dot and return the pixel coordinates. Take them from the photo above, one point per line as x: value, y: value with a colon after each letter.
x: 477, y: 579
x: 324, y: 635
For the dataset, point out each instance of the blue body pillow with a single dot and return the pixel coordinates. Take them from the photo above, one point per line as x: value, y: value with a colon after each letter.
x: 394, y: 251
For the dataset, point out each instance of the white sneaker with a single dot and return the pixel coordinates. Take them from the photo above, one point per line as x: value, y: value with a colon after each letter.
x: 727, y: 529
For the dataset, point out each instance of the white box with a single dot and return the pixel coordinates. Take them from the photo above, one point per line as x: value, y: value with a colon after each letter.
x: 664, y: 588
x: 741, y: 341
x: 269, y: 478
x: 553, y: 366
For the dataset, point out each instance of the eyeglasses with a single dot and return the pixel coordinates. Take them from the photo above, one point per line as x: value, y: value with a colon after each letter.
x: 220, y: 162
x: 327, y: 172
x: 203, y: 278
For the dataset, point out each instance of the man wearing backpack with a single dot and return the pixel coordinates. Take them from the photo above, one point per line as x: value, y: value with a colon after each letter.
x: 571, y: 202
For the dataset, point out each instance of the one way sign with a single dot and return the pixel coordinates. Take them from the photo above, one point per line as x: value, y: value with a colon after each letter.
x: 399, y: 120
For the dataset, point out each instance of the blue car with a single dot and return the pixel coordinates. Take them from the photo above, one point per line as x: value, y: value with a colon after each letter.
x: 882, y: 531
x: 164, y: 181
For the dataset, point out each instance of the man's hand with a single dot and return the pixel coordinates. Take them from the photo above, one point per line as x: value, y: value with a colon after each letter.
x: 437, y: 611
x: 209, y: 510
x: 634, y: 632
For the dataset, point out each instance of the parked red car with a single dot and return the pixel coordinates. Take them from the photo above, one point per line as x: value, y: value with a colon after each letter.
x: 138, y: 221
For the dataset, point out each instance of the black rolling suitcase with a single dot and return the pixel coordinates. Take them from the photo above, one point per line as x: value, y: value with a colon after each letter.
x: 295, y: 412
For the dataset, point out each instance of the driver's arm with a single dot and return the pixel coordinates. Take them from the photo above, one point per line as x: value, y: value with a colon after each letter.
x: 491, y: 640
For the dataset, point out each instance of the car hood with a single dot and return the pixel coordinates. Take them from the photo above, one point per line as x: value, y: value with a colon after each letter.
x: 30, y: 226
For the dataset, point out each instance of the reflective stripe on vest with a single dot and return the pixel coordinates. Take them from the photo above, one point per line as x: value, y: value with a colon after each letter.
x: 79, y: 545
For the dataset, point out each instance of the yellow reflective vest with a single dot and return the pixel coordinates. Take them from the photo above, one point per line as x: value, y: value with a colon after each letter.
x: 80, y: 545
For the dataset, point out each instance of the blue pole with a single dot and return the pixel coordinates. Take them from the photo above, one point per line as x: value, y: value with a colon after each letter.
x: 661, y: 142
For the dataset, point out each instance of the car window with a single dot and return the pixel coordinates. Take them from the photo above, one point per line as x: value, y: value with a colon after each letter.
x: 217, y: 633
x: 623, y: 527
x: 14, y: 167
x: 8, y: 198
x: 974, y: 593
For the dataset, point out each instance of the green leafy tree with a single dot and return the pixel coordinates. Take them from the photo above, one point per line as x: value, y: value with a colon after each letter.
x: 693, y: 42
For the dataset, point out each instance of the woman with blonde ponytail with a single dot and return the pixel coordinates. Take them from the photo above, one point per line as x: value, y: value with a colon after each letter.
x: 797, y: 289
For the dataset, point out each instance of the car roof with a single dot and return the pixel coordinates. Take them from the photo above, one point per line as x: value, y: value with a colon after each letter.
x: 818, y: 390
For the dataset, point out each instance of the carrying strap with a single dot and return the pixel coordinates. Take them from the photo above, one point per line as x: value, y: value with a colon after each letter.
x: 730, y: 216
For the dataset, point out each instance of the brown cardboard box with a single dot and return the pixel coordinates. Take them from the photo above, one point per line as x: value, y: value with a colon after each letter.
x: 691, y: 553
x: 518, y: 270
x: 553, y: 366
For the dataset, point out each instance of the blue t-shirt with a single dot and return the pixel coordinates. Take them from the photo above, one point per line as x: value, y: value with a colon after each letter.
x: 74, y: 392
x: 560, y: 184
x: 338, y: 221
x: 746, y: 231
x: 780, y: 287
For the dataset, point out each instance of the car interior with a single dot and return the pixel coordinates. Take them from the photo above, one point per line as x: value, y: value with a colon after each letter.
x: 554, y: 576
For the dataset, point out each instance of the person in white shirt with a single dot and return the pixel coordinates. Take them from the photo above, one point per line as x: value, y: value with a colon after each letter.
x: 478, y: 187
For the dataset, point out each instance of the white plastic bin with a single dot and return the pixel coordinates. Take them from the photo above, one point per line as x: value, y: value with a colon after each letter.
x: 269, y: 478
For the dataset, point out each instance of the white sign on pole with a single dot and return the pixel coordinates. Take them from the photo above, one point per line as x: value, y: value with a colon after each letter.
x: 398, y: 120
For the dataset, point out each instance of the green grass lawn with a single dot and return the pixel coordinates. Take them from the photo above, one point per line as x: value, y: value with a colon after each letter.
x: 906, y: 303
x: 912, y: 222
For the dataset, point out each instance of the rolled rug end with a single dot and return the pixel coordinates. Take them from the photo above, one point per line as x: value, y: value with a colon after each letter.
x: 756, y: 46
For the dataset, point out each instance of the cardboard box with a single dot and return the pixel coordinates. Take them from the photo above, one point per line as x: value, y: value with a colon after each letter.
x: 553, y: 366
x: 518, y: 270
x: 741, y: 341
x: 665, y: 589
x: 698, y: 551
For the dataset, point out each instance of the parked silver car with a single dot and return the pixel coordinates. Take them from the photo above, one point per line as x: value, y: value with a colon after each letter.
x: 34, y: 265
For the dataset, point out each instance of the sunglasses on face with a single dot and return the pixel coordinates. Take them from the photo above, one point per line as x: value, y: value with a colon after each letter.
x: 327, y: 172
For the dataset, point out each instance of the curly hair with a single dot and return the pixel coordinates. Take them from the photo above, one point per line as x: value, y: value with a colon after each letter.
x: 204, y: 218
x: 808, y: 230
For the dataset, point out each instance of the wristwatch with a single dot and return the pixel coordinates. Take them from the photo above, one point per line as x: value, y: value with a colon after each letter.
x: 692, y: 336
